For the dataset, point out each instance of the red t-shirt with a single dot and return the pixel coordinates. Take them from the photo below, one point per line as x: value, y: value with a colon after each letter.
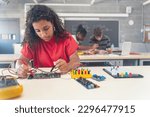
x: 46, y: 53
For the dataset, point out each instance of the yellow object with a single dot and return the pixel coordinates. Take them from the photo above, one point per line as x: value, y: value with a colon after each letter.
x: 80, y: 73
x: 11, y: 91
x: 80, y: 53
x: 121, y: 74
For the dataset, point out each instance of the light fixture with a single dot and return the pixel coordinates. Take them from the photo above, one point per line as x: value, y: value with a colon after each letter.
x: 59, y: 4
x: 146, y: 2
x: 88, y: 19
x: 93, y: 14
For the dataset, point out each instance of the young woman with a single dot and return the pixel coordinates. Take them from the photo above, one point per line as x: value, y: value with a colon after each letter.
x: 46, y: 42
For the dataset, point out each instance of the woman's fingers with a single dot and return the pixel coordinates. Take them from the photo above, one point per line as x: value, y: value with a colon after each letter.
x: 22, y: 71
x: 62, y: 65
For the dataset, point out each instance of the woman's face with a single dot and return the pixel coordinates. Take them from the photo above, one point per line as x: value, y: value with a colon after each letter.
x: 44, y: 29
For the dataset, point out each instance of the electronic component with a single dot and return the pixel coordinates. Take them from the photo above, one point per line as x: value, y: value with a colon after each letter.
x: 81, y: 73
x: 98, y: 77
x: 9, y: 87
x: 117, y: 72
x: 86, y: 83
x: 44, y: 75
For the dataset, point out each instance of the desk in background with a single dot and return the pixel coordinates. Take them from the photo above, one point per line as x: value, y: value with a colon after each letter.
x: 128, y: 60
x: 66, y: 88
x: 8, y: 59
x: 113, y: 59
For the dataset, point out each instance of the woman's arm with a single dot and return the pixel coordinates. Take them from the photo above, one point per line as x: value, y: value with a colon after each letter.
x: 74, y: 61
x: 22, y: 66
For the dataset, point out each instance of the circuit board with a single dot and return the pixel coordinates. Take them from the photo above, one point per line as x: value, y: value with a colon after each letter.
x: 45, y: 75
x: 119, y: 73
x: 87, y: 84
x: 98, y: 77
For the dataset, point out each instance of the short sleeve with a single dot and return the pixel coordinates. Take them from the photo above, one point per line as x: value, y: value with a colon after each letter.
x: 108, y: 44
x: 71, y: 46
x: 74, y: 37
x: 27, y: 52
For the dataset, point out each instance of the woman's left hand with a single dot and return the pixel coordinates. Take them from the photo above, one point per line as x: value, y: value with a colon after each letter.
x: 62, y: 65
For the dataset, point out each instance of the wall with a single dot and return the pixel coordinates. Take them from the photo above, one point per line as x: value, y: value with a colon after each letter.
x: 14, y: 10
x: 146, y: 21
x: 127, y: 33
x: 9, y: 28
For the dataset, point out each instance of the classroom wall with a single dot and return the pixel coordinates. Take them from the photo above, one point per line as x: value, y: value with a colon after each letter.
x: 15, y: 10
x: 146, y: 20
x: 9, y: 34
x: 127, y: 33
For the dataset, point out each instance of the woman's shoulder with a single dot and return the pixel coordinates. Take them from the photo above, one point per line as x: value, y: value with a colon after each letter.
x: 25, y: 45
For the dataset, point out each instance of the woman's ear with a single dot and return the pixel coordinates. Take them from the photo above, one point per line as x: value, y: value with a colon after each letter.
x: 54, y: 28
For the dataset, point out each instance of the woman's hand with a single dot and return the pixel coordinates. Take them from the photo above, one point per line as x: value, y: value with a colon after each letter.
x: 22, y: 71
x: 65, y: 67
x: 62, y: 65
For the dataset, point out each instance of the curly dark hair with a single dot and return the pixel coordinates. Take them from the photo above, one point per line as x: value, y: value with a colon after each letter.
x: 82, y: 30
x: 98, y: 31
x: 42, y: 12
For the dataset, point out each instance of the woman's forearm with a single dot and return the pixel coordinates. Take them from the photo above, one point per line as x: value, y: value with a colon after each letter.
x: 74, y: 61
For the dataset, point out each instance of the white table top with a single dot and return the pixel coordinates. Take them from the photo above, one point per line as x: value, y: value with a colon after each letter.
x: 114, y: 56
x: 66, y: 88
x: 8, y: 57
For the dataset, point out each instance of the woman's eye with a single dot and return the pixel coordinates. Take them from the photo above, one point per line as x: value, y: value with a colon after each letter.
x: 46, y: 29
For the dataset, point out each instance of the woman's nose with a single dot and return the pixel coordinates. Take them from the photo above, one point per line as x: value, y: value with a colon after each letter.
x: 43, y: 34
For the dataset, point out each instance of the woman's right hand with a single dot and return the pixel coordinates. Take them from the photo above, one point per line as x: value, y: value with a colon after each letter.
x: 23, y: 71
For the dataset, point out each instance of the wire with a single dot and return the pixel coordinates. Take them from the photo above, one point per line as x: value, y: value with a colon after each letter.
x: 41, y: 70
x: 54, y: 70
x: 3, y: 71
x: 11, y: 71
x: 32, y: 70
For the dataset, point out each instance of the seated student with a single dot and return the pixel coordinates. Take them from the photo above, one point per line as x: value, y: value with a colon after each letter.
x: 80, y: 36
x: 102, y: 40
x: 46, y: 42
